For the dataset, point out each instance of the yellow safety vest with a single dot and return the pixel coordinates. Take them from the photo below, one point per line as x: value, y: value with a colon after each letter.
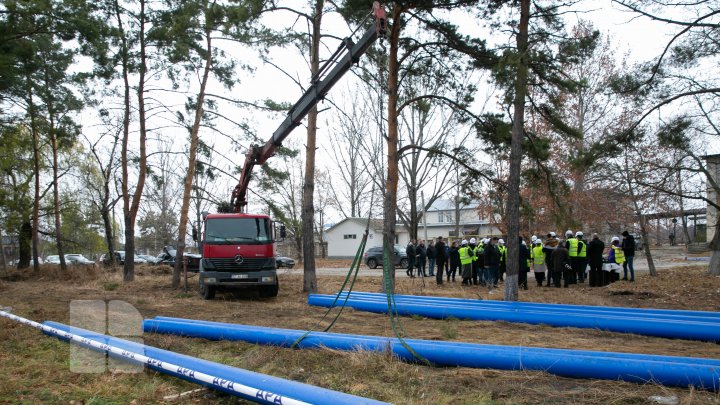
x: 573, y: 247
x: 619, y: 255
x: 465, y: 255
x: 503, y: 252
x: 538, y: 255
x: 583, y: 252
x: 475, y: 253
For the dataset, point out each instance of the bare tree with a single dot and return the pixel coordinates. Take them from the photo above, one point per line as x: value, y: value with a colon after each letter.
x: 99, y: 180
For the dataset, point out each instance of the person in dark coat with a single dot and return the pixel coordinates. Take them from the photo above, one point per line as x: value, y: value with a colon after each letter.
x: 454, y: 261
x: 431, y: 258
x: 492, y: 262
x: 439, y: 259
x: 411, y: 253
x: 561, y: 265
x: 420, y: 260
x: 548, y: 248
x: 524, y: 268
x: 628, y: 248
x: 595, y: 250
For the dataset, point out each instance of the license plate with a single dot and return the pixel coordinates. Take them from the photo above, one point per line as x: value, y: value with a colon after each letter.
x: 239, y: 276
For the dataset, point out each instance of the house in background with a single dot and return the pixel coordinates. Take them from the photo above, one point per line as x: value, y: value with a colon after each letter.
x: 344, y: 238
x: 441, y: 221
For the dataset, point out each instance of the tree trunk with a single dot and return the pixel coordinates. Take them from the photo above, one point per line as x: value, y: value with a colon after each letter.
x: 36, y: 203
x: 516, y: 154
x: 646, y: 247
x: 24, y: 245
x: 2, y: 252
x: 308, y: 208
x: 714, y: 265
x: 391, y: 183
x: 56, y: 200
x: 190, y: 175
x: 109, y: 239
x: 130, y: 208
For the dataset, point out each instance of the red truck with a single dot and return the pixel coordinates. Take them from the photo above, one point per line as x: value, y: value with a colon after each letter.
x: 238, y: 251
x: 238, y: 248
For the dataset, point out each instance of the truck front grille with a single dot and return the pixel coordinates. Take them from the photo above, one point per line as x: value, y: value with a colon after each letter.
x: 229, y: 264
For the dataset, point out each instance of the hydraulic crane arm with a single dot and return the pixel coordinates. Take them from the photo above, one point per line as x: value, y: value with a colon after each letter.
x: 258, y: 155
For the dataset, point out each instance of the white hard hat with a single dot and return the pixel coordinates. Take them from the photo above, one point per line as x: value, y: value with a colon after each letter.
x: 568, y: 232
x: 472, y: 240
x: 578, y: 233
x: 501, y: 241
x: 533, y: 237
x: 552, y: 234
x: 464, y: 242
x: 615, y: 238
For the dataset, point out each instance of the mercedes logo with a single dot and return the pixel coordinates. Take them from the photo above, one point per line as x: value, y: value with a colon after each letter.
x: 238, y: 259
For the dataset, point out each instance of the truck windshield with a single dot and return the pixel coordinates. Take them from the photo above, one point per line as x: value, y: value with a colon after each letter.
x: 232, y: 231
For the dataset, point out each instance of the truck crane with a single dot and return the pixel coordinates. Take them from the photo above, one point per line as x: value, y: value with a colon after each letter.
x: 238, y: 248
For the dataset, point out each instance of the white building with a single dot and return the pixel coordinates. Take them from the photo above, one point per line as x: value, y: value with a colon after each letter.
x: 344, y: 238
x: 441, y: 221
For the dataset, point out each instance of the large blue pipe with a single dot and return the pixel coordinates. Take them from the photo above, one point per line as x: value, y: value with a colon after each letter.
x: 515, y: 306
x: 644, y: 312
x: 651, y: 327
x: 666, y: 370
x: 270, y: 389
x: 292, y: 334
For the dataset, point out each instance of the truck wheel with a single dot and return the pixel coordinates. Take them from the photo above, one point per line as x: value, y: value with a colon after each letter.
x: 404, y: 263
x: 269, y: 291
x: 372, y: 263
x: 207, y: 291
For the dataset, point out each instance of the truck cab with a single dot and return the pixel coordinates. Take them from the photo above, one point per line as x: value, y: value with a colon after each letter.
x: 238, y: 251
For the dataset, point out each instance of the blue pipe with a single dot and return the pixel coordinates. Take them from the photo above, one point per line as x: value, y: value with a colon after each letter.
x: 567, y: 363
x: 624, y: 310
x: 516, y: 306
x: 670, y: 329
x: 270, y: 389
x: 292, y: 335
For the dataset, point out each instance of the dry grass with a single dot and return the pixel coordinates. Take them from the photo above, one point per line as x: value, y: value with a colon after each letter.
x: 35, y: 369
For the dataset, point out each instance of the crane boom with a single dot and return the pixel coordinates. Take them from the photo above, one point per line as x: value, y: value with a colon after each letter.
x: 258, y: 155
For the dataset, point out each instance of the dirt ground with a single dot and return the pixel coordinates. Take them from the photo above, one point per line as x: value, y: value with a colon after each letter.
x: 35, y: 368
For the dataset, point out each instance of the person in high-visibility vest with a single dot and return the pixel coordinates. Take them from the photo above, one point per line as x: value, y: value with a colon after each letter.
x: 538, y: 260
x: 581, y: 257
x: 476, y: 261
x: 466, y: 255
x: 503, y: 259
x: 618, y: 256
x: 571, y: 244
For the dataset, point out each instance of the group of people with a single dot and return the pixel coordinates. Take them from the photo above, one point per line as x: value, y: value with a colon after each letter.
x: 553, y: 261
x: 475, y: 263
x: 566, y: 261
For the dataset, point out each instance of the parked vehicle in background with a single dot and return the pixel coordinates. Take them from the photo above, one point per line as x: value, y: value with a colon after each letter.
x: 151, y: 259
x: 168, y: 257
x: 53, y: 259
x: 286, y: 262
x: 75, y: 258
x: 120, y: 258
x: 374, y: 257
x: 70, y: 259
